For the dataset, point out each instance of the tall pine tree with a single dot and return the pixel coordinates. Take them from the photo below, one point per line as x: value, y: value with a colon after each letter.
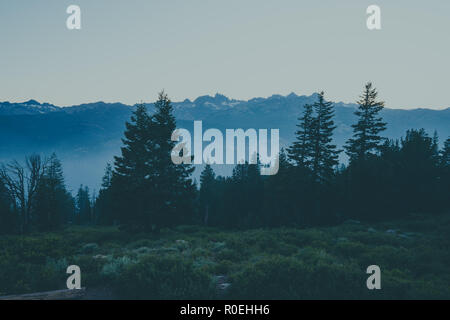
x: 445, y: 154
x: 153, y: 192
x: 130, y: 181
x: 325, y: 155
x: 445, y: 175
x: 207, y: 186
x: 173, y: 190
x: 300, y: 152
x: 366, y: 140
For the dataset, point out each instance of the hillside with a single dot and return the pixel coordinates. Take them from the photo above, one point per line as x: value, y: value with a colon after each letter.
x: 193, y: 262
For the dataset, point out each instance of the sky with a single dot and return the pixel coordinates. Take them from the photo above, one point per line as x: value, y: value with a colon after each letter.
x: 128, y: 51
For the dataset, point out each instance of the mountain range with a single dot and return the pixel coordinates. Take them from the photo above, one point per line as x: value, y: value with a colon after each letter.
x: 87, y: 136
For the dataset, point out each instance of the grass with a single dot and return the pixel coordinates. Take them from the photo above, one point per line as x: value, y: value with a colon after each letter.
x: 193, y: 262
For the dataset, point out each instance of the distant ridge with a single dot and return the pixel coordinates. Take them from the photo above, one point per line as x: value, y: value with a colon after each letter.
x: 216, y: 102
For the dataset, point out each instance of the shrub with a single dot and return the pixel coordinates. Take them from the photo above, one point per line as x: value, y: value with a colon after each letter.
x: 89, y: 248
x: 278, y: 277
x: 163, y: 277
x: 228, y: 254
x: 350, y: 249
x: 114, y: 269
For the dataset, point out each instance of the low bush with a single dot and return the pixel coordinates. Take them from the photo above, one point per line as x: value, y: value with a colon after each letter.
x: 166, y: 277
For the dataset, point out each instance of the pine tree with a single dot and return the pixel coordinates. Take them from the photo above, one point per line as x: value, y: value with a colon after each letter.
x: 107, y: 177
x: 103, y: 207
x: 135, y: 154
x: 445, y: 154
x: 247, y: 189
x: 207, y: 186
x: 174, y: 190
x: 53, y: 204
x: 366, y: 139
x: 324, y: 153
x: 445, y: 176
x: 83, y: 205
x: 419, y: 171
x: 151, y: 190
x: 372, y: 159
x: 435, y: 147
x: 130, y: 180
x: 286, y: 194
x: 255, y: 191
x: 419, y: 149
x: 300, y: 152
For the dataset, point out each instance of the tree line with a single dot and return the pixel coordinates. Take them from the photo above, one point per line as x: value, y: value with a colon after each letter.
x: 144, y: 191
x: 384, y: 178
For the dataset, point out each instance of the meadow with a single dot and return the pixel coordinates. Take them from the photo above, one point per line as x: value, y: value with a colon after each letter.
x: 194, y: 262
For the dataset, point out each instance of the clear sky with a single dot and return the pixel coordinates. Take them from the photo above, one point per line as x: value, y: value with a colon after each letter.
x: 127, y: 51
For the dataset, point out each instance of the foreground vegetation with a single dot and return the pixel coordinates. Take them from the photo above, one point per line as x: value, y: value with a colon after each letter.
x: 192, y: 262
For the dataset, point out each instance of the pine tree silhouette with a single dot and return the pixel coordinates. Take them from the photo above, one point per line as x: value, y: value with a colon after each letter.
x: 366, y: 140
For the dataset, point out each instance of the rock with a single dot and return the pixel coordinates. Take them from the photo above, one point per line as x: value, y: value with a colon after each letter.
x: 342, y: 239
x: 391, y: 231
x: 371, y: 230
